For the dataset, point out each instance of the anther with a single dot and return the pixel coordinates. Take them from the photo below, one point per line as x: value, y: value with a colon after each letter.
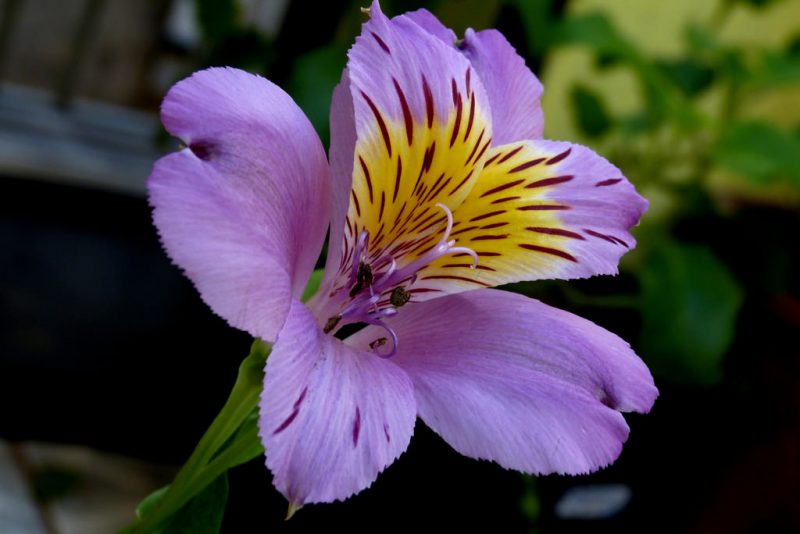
x: 381, y: 341
x: 331, y: 323
x: 399, y: 296
x: 364, y: 278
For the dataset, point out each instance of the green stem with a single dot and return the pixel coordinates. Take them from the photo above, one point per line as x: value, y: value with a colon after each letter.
x: 231, y: 439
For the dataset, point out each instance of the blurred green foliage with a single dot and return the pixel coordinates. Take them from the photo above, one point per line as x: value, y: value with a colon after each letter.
x: 690, y: 300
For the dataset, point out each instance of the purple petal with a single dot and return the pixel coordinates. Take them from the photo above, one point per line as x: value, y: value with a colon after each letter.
x: 506, y: 378
x: 399, y: 50
x: 332, y: 417
x: 428, y: 22
x: 603, y: 207
x: 343, y: 143
x: 243, y: 209
x: 514, y: 92
x: 422, y: 132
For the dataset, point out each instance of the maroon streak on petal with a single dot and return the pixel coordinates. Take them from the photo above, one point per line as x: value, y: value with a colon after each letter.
x: 457, y: 123
x: 471, y: 117
x: 609, y: 238
x: 543, y: 207
x: 462, y: 182
x: 486, y: 215
x: 510, y: 154
x: 493, y: 225
x: 559, y: 157
x: 489, y: 237
x: 355, y: 202
x: 610, y: 181
x: 381, y: 43
x: 491, y: 160
x: 504, y: 200
x: 397, y: 176
x: 366, y: 177
x: 406, y: 112
x: 426, y: 90
x: 475, y: 147
x: 548, y: 250
x: 556, y: 231
x: 501, y: 187
x: 381, y: 123
x: 546, y: 182
x: 527, y: 165
x: 356, y: 426
x: 288, y: 421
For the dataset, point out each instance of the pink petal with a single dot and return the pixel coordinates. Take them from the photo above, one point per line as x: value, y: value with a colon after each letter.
x: 514, y: 91
x: 506, y: 378
x: 243, y: 209
x: 332, y: 417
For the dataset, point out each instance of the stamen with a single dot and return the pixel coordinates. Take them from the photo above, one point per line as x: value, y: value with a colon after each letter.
x: 399, y: 297
x: 378, y: 343
x: 361, y: 246
x: 331, y: 323
x: 382, y: 275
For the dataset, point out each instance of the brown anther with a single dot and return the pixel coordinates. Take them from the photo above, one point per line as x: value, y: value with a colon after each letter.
x: 364, y: 278
x: 331, y: 323
x: 400, y: 296
x: 381, y: 341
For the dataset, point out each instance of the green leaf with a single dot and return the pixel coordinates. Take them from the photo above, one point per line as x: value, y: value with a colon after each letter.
x: 689, y: 75
x: 590, y: 113
x: 690, y: 301
x: 231, y: 439
x: 150, y: 501
x: 775, y: 69
x: 203, y: 514
x: 312, y: 285
x: 761, y: 152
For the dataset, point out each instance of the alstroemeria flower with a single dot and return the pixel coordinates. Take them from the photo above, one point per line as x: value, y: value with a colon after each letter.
x: 439, y: 186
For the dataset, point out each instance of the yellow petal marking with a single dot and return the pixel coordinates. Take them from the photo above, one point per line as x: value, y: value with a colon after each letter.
x: 403, y: 168
x: 510, y: 221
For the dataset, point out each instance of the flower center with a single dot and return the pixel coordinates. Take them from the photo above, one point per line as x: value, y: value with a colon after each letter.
x: 377, y: 287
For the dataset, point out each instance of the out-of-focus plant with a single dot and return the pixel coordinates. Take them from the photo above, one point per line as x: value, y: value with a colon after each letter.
x: 688, y: 129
